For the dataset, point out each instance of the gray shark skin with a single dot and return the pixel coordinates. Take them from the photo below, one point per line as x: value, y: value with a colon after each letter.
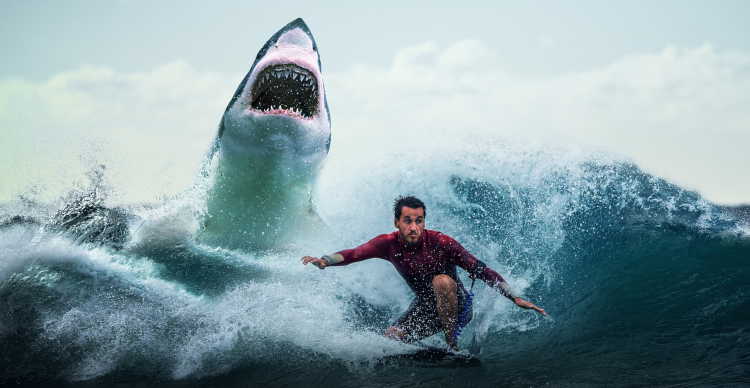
x: 272, y: 141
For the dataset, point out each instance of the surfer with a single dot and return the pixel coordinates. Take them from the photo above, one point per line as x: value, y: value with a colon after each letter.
x: 427, y: 261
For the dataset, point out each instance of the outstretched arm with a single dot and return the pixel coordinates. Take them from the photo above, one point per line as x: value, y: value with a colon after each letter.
x: 477, y: 269
x: 377, y: 247
x: 324, y: 261
x: 525, y: 304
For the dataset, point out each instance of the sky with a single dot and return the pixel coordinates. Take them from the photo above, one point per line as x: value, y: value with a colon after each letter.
x: 140, y: 87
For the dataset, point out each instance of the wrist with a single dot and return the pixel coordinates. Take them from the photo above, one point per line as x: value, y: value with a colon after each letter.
x: 332, y: 259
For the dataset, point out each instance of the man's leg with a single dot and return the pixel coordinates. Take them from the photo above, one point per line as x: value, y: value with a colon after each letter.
x: 396, y: 333
x: 419, y: 321
x: 447, y: 306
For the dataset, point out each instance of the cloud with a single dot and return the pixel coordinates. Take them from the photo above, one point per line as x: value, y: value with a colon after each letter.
x: 149, y: 128
x: 680, y: 113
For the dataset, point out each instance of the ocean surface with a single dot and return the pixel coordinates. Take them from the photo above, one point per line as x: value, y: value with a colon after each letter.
x: 646, y: 283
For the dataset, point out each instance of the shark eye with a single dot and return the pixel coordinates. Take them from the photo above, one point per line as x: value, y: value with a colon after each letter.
x: 286, y: 87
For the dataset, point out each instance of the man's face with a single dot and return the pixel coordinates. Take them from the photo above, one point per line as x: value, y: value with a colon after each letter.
x: 411, y: 224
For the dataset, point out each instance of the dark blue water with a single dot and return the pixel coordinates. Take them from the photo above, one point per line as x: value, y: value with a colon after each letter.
x: 647, y: 284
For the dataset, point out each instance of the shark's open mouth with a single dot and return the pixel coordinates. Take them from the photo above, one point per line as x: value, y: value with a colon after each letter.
x: 288, y: 88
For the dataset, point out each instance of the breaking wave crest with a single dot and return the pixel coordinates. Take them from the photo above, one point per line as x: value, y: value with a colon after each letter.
x: 644, y: 280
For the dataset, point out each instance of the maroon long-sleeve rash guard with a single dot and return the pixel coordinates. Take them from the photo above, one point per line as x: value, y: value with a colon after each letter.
x: 435, y: 254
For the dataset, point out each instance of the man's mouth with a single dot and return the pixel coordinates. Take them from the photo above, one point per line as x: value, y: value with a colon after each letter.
x: 286, y: 89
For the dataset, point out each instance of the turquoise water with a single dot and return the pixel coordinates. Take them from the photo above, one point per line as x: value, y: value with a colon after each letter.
x: 646, y: 284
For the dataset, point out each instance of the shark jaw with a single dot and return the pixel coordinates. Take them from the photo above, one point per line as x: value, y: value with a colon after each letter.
x: 285, y: 89
x: 272, y: 141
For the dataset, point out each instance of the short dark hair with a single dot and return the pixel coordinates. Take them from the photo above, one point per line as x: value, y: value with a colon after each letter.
x: 408, y: 201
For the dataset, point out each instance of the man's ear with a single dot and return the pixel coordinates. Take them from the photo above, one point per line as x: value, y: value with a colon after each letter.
x: 395, y: 223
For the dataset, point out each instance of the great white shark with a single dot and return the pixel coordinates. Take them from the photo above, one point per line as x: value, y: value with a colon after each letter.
x: 272, y: 141
x: 260, y: 171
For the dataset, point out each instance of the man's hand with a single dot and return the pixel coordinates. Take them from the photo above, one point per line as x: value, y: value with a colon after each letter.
x: 320, y: 263
x: 525, y: 304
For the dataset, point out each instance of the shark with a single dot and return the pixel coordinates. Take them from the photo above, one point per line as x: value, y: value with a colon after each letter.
x: 259, y: 174
x: 272, y: 141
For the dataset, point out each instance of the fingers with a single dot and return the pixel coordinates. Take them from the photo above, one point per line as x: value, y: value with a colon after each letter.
x: 308, y: 259
x: 320, y: 263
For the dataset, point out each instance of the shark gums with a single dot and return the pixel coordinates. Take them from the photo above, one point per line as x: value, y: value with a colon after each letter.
x: 273, y: 138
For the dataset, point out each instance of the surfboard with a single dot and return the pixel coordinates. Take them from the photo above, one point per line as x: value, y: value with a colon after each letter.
x: 433, y: 356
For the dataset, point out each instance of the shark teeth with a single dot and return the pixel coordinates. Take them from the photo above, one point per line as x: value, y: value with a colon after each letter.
x: 287, y: 87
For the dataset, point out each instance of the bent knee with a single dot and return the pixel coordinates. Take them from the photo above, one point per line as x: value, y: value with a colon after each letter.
x: 443, y: 283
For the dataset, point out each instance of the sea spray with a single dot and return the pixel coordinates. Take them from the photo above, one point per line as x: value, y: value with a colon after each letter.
x: 646, y: 282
